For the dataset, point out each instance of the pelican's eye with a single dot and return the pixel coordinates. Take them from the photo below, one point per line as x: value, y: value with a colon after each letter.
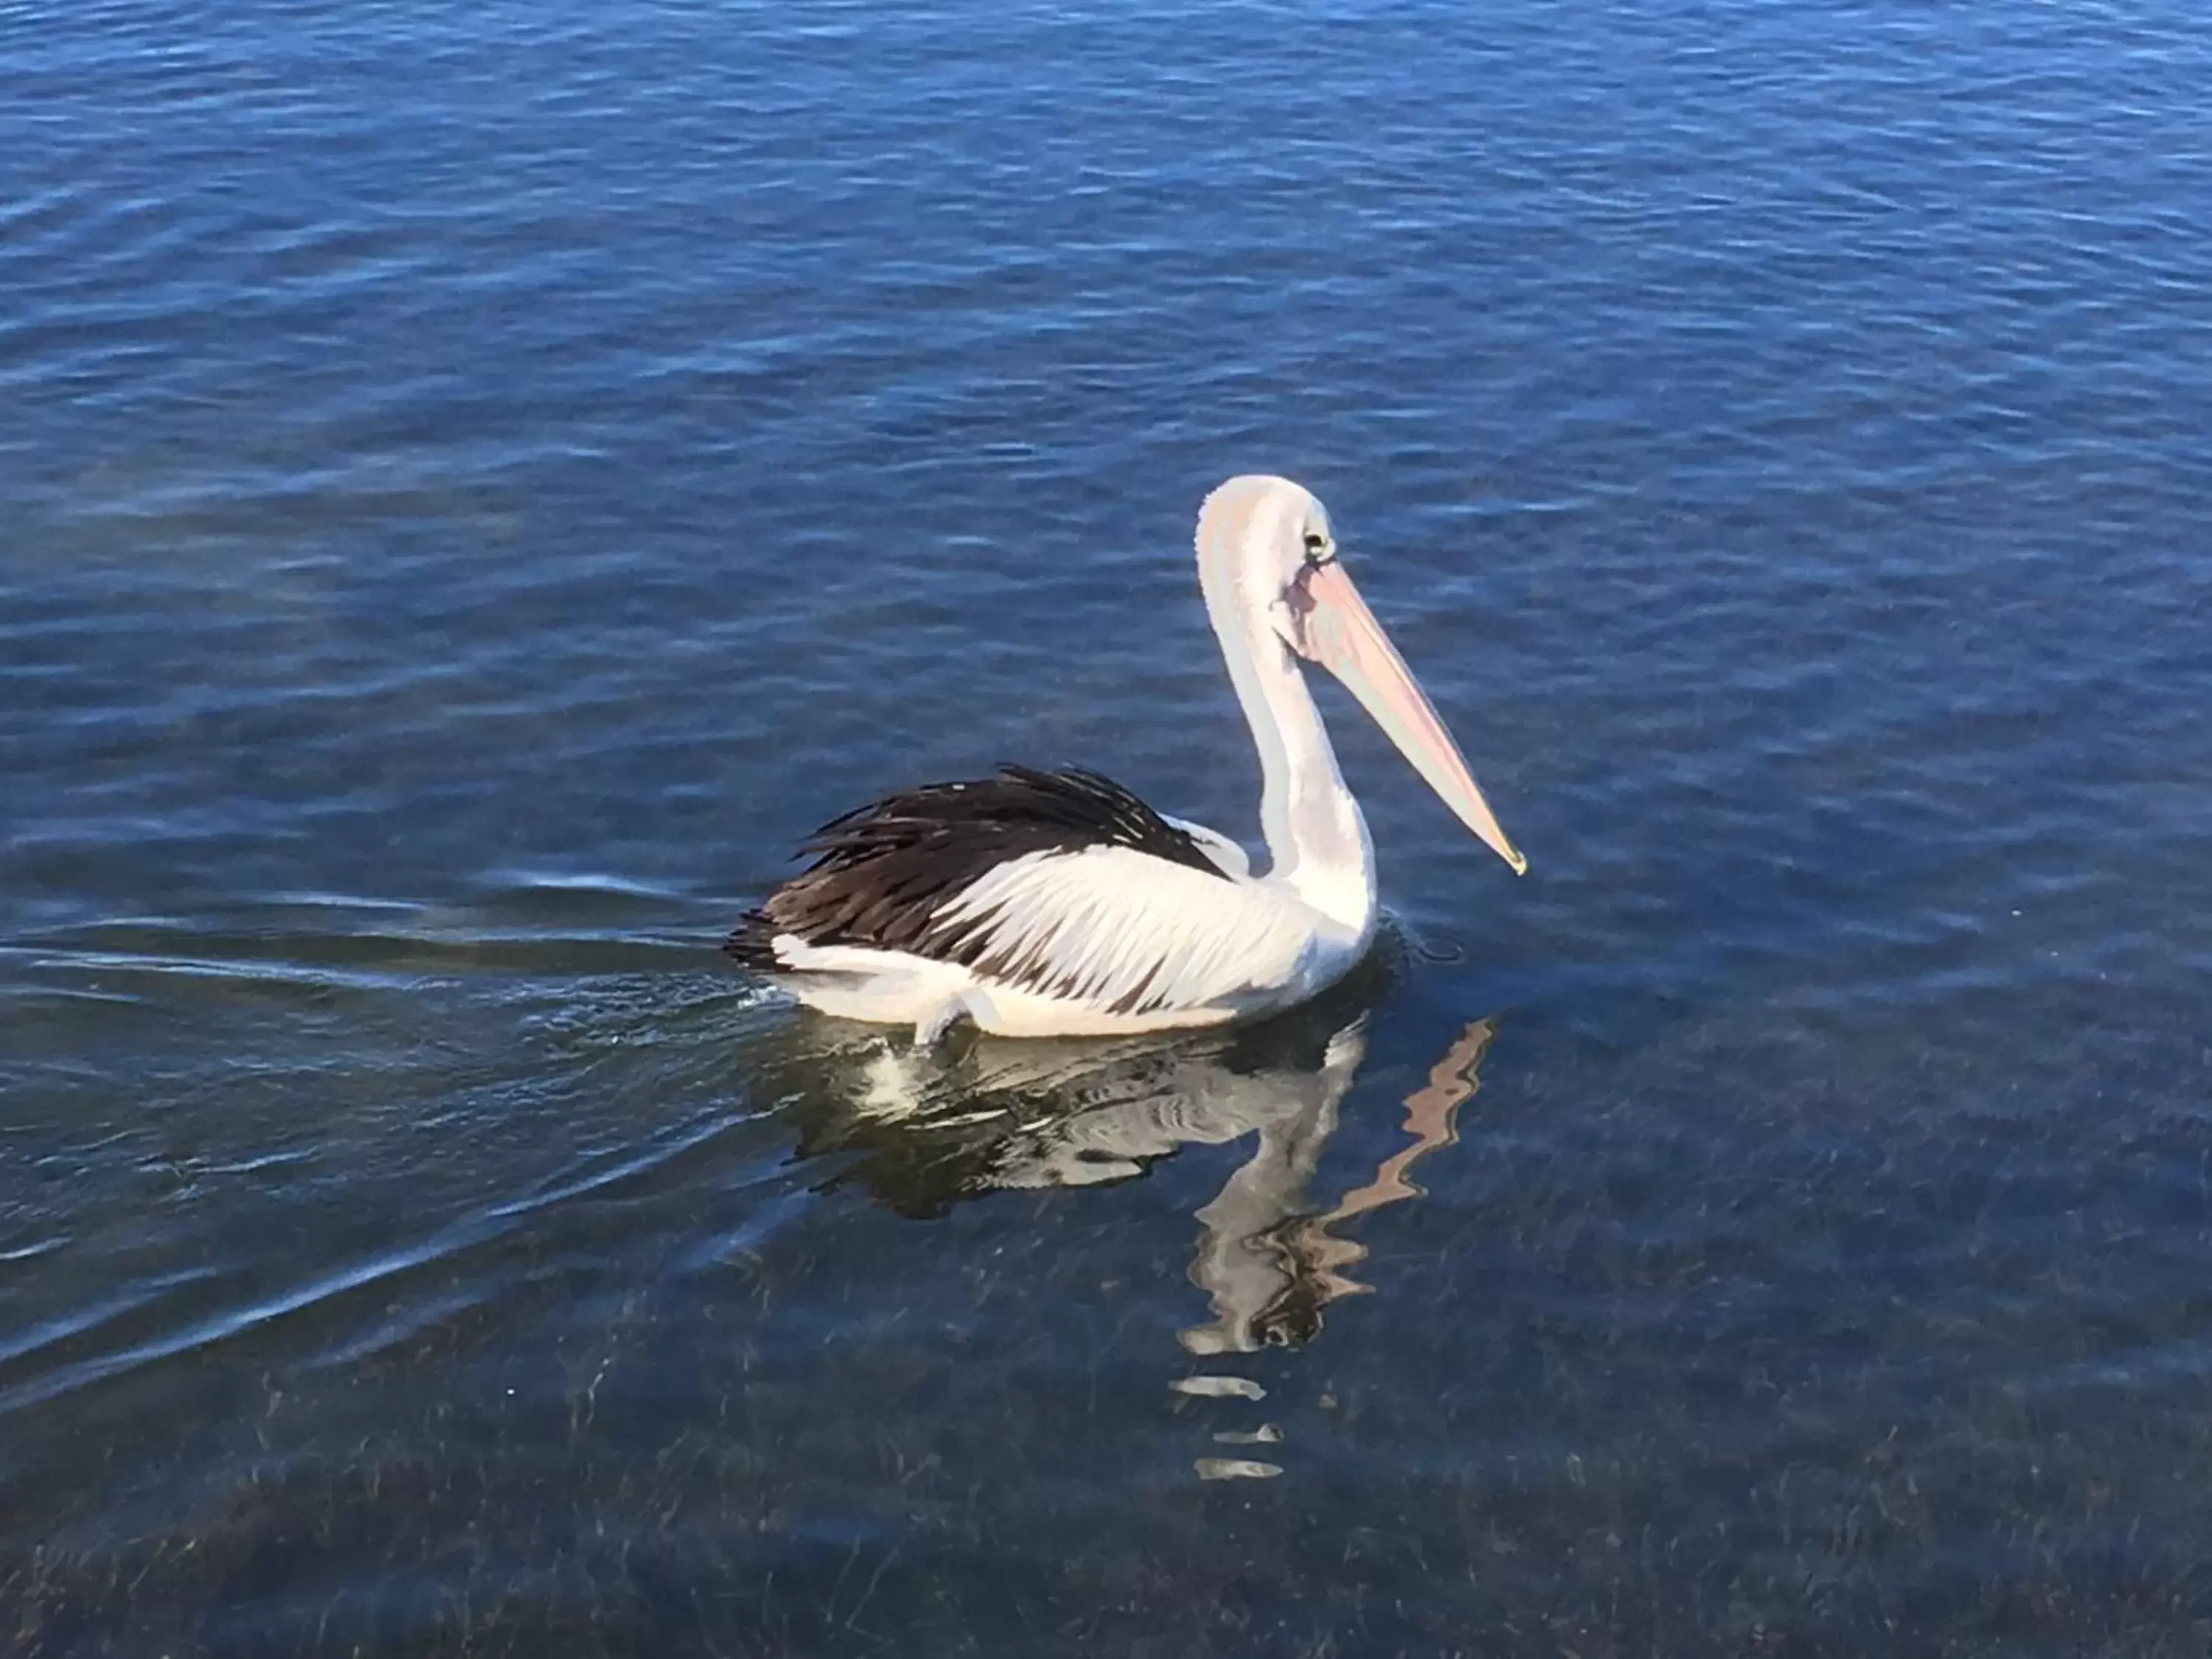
x: 1318, y: 551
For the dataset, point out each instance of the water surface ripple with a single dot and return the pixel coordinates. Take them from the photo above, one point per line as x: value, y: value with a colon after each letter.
x: 482, y: 480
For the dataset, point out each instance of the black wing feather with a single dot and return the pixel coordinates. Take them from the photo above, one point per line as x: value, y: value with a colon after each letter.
x: 882, y: 872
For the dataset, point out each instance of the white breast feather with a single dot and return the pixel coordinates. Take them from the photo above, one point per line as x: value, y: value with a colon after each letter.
x: 1109, y: 923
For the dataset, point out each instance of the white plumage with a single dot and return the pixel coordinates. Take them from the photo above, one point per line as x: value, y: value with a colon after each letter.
x: 1058, y: 903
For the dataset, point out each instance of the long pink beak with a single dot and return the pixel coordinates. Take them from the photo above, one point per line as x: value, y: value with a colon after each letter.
x: 1342, y: 635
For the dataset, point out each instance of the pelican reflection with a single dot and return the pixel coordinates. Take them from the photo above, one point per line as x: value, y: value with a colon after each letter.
x: 922, y: 1131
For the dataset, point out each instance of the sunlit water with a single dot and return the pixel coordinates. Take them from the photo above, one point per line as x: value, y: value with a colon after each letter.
x: 477, y: 482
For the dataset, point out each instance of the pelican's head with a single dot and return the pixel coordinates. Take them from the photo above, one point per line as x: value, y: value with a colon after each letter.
x: 1266, y: 548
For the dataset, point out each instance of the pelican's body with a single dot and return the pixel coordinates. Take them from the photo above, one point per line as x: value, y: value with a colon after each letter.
x: 1057, y: 904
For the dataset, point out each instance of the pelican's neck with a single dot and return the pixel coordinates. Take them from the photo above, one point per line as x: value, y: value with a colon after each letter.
x: 1317, y: 840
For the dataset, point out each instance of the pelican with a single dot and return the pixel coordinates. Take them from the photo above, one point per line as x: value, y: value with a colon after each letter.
x: 1056, y: 904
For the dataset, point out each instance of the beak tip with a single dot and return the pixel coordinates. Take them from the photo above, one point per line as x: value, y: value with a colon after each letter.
x: 1520, y: 863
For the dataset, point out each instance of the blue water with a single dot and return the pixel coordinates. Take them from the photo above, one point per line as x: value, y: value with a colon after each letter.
x: 477, y: 482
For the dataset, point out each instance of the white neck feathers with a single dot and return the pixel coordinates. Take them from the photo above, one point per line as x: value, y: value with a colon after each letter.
x: 1317, y: 840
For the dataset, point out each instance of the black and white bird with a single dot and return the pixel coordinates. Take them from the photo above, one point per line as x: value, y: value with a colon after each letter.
x: 1053, y: 903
